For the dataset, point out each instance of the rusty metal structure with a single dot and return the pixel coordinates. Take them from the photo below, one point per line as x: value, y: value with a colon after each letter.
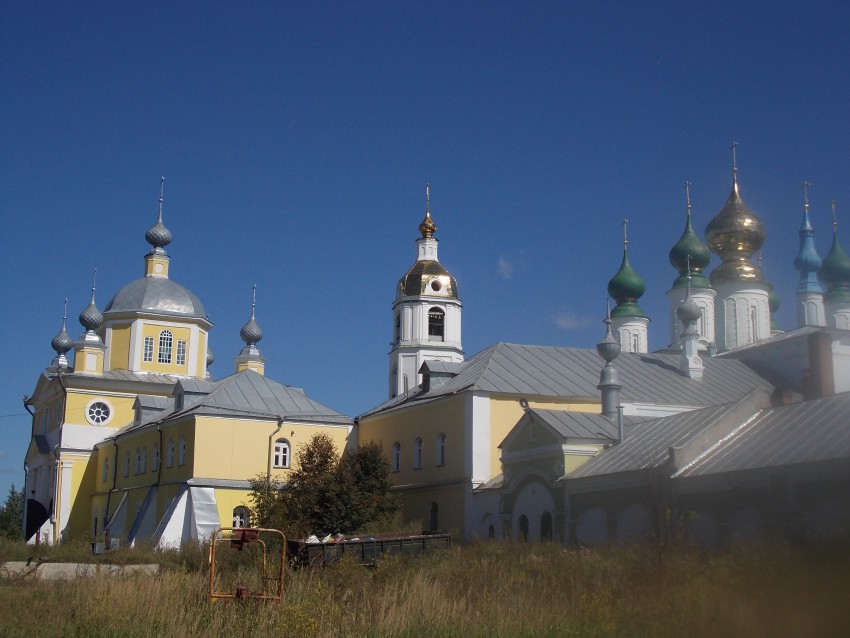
x: 260, y: 545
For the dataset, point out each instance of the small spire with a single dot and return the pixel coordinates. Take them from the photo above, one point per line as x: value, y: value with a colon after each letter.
x: 427, y: 227
x: 805, y: 189
x: 625, y: 233
x: 93, y: 283
x: 251, y: 332
x: 733, y: 148
x: 834, y: 217
x: 158, y: 236
x: 161, y: 196
x: 687, y: 188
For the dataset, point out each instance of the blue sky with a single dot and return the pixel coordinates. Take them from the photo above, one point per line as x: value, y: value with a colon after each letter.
x: 296, y: 140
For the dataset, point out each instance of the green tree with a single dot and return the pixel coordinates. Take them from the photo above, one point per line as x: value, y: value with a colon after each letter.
x: 11, y: 514
x: 326, y: 493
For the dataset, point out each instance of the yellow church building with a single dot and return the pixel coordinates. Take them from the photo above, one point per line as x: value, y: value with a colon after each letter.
x: 136, y: 442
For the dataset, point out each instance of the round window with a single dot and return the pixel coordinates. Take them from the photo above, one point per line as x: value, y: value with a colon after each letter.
x: 436, y: 286
x: 98, y: 413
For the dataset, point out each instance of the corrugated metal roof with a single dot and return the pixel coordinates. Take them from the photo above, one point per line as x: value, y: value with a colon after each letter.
x: 582, y: 425
x: 549, y: 371
x: 648, y: 445
x: 805, y: 432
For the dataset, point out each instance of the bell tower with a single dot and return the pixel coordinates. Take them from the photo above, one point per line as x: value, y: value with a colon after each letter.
x: 426, y: 313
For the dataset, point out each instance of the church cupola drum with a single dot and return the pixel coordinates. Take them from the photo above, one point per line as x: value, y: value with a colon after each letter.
x: 426, y: 313
x: 742, y: 313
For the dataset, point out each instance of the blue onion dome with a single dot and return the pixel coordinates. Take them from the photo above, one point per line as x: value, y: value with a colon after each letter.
x: 609, y: 348
x: 835, y: 272
x: 62, y: 343
x: 91, y: 319
x: 626, y: 287
x: 690, y: 247
x: 734, y: 235
x: 210, y: 357
x: 807, y: 261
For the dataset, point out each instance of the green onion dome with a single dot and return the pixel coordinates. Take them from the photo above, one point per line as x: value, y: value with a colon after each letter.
x: 835, y: 273
x: 690, y: 246
x: 626, y: 287
x: 773, y: 303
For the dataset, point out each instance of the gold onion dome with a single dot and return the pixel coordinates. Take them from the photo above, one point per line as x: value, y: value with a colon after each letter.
x: 734, y: 235
x: 427, y: 227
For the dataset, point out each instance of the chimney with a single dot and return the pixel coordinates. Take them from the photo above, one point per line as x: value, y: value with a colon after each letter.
x: 609, y: 381
x: 820, y: 380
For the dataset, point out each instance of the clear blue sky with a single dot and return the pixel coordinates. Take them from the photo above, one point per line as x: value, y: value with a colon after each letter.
x: 296, y: 140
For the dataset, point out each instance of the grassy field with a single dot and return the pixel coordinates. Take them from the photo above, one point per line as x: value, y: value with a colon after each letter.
x: 495, y: 589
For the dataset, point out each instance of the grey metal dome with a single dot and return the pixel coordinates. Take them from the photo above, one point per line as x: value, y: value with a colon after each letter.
x: 91, y: 318
x: 158, y: 296
x: 210, y: 357
x: 688, y: 311
x: 158, y: 235
x: 62, y: 342
x: 251, y: 332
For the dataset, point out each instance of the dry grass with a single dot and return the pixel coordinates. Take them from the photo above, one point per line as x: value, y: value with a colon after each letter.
x: 478, y: 590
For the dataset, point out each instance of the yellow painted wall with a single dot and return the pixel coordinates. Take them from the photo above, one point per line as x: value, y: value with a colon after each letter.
x: 416, y: 506
x: 239, y: 449
x: 145, y: 440
x: 179, y: 334
x: 229, y: 499
x: 122, y: 406
x: 506, y: 412
x: 119, y: 347
x: 81, y: 471
x: 426, y: 421
x: 201, y: 358
x: 185, y: 430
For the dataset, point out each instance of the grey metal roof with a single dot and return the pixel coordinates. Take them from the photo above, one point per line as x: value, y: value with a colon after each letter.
x: 437, y: 366
x: 154, y: 402
x: 550, y: 371
x: 126, y: 375
x: 156, y: 295
x: 194, y: 385
x: 583, y: 425
x: 806, y: 432
x: 648, y: 445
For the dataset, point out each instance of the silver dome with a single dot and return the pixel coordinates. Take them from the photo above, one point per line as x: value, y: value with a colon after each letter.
x: 156, y: 295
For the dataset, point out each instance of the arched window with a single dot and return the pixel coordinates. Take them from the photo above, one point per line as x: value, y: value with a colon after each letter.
x: 435, y: 513
x: 105, y: 477
x: 155, y: 458
x: 417, y: 453
x: 165, y: 341
x: 169, y: 460
x: 138, y: 462
x: 143, y: 466
x: 436, y: 324
x: 396, y: 460
x: 397, y: 338
x: 281, y: 453
x: 241, y: 516
x: 523, y: 528
x: 181, y: 452
x: 441, y: 449
x: 127, y: 463
x: 546, y: 527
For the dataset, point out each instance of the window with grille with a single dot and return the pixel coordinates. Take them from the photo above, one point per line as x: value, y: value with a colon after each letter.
x: 181, y: 353
x: 165, y: 341
x: 148, y: 353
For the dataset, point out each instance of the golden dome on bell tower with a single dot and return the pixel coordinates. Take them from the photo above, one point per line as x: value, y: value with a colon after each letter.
x: 734, y: 235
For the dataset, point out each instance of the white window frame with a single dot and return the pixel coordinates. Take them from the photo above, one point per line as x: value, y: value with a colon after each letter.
x: 241, y: 516
x: 282, y: 454
x: 181, y: 352
x: 147, y: 355
x: 166, y: 340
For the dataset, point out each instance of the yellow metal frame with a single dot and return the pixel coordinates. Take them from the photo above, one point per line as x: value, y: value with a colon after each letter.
x: 239, y: 538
